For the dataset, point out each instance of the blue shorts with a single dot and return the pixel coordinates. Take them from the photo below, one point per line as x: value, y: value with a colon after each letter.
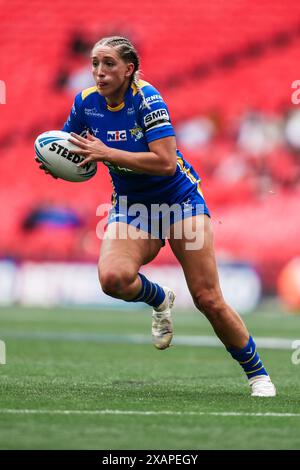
x: 156, y: 219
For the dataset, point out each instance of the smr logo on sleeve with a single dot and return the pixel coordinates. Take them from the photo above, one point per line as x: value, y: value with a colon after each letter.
x: 157, y: 118
x: 116, y: 136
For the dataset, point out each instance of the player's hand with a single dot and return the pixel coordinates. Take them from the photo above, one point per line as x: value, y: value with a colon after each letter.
x: 42, y: 167
x: 93, y: 149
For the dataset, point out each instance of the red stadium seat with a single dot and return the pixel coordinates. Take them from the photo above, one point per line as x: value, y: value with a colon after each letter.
x: 208, y: 36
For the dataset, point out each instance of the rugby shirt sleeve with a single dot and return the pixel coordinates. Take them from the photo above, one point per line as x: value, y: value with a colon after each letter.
x: 155, y: 120
x: 74, y: 123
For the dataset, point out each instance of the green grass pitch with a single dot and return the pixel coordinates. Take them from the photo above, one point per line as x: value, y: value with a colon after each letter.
x: 84, y: 361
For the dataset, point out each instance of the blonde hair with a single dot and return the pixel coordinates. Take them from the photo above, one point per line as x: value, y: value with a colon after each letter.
x: 128, y: 53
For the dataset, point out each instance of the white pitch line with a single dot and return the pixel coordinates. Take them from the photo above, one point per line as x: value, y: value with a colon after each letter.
x: 180, y: 340
x: 147, y: 413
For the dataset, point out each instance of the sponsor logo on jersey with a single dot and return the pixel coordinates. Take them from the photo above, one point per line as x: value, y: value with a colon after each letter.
x: 156, y: 118
x: 116, y: 136
x: 74, y: 110
x: 114, y: 216
x: 187, y: 205
x: 130, y: 111
x: 151, y: 100
x: 117, y: 169
x: 136, y: 133
x: 93, y: 112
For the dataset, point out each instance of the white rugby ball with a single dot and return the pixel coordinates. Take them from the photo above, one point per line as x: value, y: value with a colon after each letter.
x: 56, y: 153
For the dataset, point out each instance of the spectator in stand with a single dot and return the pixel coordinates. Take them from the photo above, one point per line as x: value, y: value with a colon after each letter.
x: 195, y: 132
x: 52, y: 216
x: 292, y: 130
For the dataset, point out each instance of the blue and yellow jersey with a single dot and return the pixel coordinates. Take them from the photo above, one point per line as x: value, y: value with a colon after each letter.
x: 131, y: 126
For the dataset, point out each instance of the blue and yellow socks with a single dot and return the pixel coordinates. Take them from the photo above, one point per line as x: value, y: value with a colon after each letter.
x: 150, y: 293
x: 249, y: 359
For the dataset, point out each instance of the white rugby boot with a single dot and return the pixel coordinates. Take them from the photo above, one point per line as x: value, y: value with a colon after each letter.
x: 262, y: 386
x: 162, y: 326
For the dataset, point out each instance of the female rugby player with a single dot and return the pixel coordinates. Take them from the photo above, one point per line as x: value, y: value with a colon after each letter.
x: 124, y: 123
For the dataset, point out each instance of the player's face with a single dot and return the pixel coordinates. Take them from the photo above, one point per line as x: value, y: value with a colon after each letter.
x: 110, y: 73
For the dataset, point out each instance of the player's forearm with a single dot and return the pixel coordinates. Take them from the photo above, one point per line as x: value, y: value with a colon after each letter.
x: 144, y: 162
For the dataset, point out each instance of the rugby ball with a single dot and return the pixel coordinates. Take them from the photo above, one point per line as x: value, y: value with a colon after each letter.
x: 56, y: 153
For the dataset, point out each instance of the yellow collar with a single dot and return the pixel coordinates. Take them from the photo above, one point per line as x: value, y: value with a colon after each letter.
x: 116, y: 108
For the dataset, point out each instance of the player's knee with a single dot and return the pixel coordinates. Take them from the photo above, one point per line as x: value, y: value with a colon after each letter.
x: 114, y: 282
x: 210, y: 302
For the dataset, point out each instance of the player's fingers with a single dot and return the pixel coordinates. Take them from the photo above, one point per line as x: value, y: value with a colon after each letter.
x: 96, y: 139
x: 51, y: 174
x: 45, y: 169
x: 81, y: 151
x: 90, y: 137
x: 86, y: 160
x: 42, y: 166
x: 78, y: 143
x: 78, y: 137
